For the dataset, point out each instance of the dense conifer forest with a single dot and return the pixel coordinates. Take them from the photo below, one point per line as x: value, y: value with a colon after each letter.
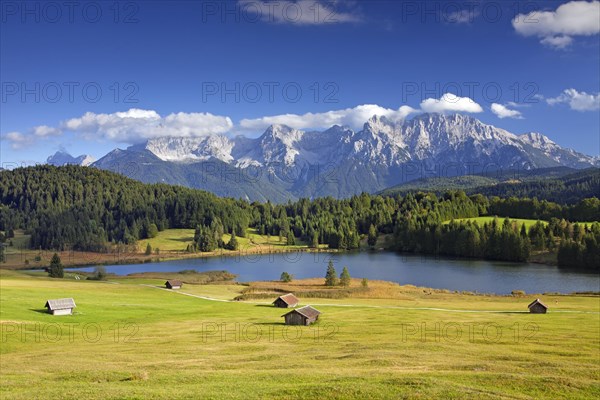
x: 89, y: 209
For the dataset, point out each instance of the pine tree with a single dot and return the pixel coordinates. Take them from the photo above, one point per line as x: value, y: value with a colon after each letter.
x: 233, y: 243
x: 331, y: 275
x: 345, y: 277
x: 372, y: 238
x: 290, y: 238
x: 148, y: 249
x: 315, y: 241
x: 152, y: 231
x: 523, y: 231
x: 56, y: 269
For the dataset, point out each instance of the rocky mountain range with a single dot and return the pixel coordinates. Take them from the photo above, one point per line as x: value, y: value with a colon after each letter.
x: 285, y: 163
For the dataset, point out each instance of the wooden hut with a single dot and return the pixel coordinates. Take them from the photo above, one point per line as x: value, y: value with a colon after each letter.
x: 286, y: 301
x: 173, y: 284
x: 60, y: 306
x: 301, y: 316
x: 537, y: 307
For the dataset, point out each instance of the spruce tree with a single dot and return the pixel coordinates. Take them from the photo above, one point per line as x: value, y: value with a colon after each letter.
x: 345, y: 277
x: 56, y: 269
x: 233, y: 243
x: 372, y: 238
x: 148, y: 249
x: 315, y: 241
x: 290, y: 238
x: 330, y: 276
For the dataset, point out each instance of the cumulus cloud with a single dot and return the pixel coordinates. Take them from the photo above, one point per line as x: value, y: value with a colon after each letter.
x: 558, y: 42
x: 578, y: 101
x: 18, y: 140
x: 502, y: 111
x: 45, y: 131
x: 556, y: 28
x: 137, y: 125
x: 352, y: 117
x: 132, y: 126
x: 450, y: 103
x: 298, y: 12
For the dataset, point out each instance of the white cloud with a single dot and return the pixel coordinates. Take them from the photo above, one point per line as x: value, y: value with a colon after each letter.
x: 578, y: 101
x: 556, y: 28
x: 298, y: 12
x: 504, y: 112
x: 462, y: 17
x: 357, y: 116
x: 559, y: 42
x: 45, y: 131
x: 450, y: 103
x: 136, y: 125
x: 352, y: 117
x: 18, y: 140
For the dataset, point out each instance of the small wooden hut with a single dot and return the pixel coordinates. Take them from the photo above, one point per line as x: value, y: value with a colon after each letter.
x: 537, y: 307
x: 60, y: 306
x: 173, y: 284
x: 302, y: 316
x: 286, y: 301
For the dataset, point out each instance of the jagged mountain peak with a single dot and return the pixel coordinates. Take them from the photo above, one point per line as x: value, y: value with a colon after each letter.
x: 536, y: 139
x: 64, y: 158
x: 282, y: 133
x: 341, y: 162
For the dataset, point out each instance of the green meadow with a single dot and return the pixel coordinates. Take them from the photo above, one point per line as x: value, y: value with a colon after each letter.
x: 179, y: 239
x: 131, y: 339
x: 487, y: 220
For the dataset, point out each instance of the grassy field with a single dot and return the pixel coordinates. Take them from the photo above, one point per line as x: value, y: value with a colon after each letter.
x: 131, y: 339
x: 178, y: 240
x: 172, y: 244
x: 520, y: 221
x: 486, y: 220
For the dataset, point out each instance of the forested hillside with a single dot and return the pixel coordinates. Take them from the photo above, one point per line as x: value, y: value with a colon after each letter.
x: 561, y: 185
x: 89, y: 209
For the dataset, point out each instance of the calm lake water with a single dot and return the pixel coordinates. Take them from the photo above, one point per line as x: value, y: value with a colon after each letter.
x: 453, y: 274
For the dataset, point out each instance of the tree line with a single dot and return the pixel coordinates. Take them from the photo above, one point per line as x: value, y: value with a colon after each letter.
x: 90, y: 209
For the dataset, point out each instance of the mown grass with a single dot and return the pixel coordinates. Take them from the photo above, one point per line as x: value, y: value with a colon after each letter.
x: 157, y: 344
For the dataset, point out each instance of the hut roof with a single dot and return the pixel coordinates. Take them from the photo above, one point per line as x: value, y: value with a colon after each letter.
x: 173, y: 282
x: 306, y: 311
x: 538, y: 302
x: 60, y: 304
x: 289, y: 299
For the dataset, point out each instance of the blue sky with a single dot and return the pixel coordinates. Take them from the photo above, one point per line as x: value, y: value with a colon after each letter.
x: 193, y: 68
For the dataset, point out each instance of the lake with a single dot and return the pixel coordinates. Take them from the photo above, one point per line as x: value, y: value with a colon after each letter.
x: 454, y: 274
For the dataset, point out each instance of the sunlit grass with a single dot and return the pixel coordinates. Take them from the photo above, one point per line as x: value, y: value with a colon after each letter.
x: 156, y: 343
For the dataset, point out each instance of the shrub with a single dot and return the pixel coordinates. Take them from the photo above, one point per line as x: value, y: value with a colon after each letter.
x: 285, y: 277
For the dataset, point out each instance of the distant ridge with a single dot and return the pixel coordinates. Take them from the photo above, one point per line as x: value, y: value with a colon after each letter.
x: 286, y: 163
